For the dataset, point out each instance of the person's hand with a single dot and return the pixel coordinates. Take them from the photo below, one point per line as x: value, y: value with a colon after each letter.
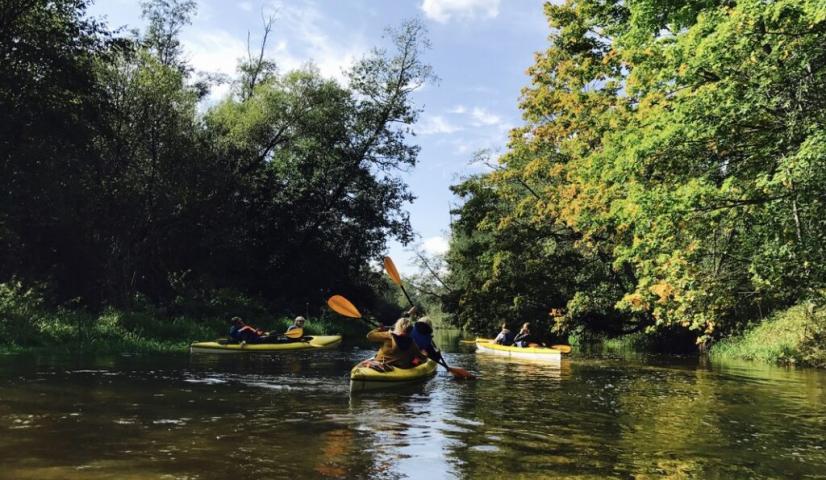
x: 412, y: 311
x: 383, y: 328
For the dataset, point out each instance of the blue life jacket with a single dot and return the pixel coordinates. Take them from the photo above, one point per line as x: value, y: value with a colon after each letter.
x: 422, y: 335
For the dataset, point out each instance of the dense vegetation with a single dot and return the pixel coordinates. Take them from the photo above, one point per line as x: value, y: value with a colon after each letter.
x: 670, y: 177
x: 121, y: 187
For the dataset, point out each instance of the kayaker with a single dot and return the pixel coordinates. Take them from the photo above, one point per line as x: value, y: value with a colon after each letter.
x: 423, y: 336
x: 505, y: 336
x: 398, y: 348
x: 298, y: 324
x: 524, y: 337
x: 243, y: 333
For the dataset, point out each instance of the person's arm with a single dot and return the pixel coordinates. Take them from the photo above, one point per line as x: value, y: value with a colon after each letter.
x: 379, y: 335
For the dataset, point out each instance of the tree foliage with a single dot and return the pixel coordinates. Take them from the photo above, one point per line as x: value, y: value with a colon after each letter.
x: 117, y: 182
x: 678, y: 149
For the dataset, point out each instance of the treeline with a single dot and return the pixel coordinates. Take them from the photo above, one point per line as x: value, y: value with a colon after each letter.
x: 670, y: 177
x: 119, y: 182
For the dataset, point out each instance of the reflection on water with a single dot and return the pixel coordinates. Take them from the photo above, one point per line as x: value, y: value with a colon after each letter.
x: 292, y: 416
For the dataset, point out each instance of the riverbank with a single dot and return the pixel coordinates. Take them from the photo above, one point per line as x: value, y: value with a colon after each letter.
x: 27, y: 323
x: 796, y: 336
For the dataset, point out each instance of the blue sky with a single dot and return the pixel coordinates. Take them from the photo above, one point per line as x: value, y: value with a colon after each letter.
x: 480, y: 51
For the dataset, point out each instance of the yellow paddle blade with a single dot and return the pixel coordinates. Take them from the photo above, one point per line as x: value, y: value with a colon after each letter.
x: 472, y: 342
x: 294, y: 333
x: 343, y: 306
x: 562, y: 348
x: 391, y: 270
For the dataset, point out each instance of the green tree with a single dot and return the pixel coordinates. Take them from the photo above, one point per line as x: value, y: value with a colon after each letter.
x: 680, y: 144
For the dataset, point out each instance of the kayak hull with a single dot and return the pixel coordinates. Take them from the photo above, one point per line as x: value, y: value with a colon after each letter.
x: 315, y: 343
x: 365, y: 378
x: 487, y: 346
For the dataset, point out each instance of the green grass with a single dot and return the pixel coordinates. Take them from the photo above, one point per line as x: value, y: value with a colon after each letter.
x: 796, y: 336
x: 28, y: 324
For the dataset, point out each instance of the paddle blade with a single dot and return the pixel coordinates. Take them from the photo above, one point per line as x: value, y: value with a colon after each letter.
x: 562, y: 348
x: 390, y: 267
x: 343, y: 306
x: 461, y: 373
x: 294, y: 333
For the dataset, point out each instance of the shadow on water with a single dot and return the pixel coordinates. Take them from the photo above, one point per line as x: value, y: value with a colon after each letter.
x: 292, y: 416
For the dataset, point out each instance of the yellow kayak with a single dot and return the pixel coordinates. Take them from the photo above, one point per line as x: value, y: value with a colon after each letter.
x: 316, y: 342
x: 362, y: 377
x: 486, y: 345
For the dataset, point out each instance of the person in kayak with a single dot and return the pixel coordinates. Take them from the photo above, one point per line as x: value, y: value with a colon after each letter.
x: 423, y: 336
x: 295, y: 332
x: 524, y: 337
x: 243, y: 333
x: 298, y: 323
x: 505, y: 336
x: 398, y: 348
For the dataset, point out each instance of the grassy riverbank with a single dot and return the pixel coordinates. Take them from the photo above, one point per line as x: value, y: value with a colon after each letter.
x: 28, y: 323
x: 796, y: 336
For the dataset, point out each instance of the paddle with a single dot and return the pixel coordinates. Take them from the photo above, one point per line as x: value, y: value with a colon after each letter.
x: 343, y: 306
x: 390, y: 267
x: 295, y: 333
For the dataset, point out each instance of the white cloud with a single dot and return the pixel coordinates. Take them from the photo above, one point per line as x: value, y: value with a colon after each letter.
x: 215, y: 51
x: 245, y: 6
x: 435, y: 246
x: 458, y: 109
x: 435, y: 125
x: 443, y: 11
x: 307, y: 35
x: 484, y: 117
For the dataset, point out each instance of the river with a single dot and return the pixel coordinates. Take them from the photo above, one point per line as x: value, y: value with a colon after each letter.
x: 292, y: 416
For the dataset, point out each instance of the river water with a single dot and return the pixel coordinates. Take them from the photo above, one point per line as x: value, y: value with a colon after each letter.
x: 292, y: 416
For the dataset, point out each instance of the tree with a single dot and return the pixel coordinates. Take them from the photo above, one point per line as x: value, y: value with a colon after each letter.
x: 679, y: 144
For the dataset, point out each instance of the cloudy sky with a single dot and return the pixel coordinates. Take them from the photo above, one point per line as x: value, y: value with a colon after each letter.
x: 480, y: 51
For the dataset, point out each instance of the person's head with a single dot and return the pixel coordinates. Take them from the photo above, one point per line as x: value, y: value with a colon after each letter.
x: 526, y: 327
x: 423, y: 326
x: 402, y: 326
x: 504, y: 326
x: 236, y: 321
x: 299, y: 321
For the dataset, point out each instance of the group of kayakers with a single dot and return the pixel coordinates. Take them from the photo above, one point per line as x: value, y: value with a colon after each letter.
x: 522, y: 339
x: 407, y: 344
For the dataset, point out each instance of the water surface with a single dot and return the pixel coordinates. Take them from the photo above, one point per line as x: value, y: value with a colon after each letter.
x: 292, y: 416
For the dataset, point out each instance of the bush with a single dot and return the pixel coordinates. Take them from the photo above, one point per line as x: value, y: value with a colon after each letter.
x: 27, y: 322
x: 796, y: 336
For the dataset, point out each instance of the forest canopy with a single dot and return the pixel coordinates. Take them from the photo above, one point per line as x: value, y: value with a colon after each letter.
x: 119, y: 182
x: 670, y: 176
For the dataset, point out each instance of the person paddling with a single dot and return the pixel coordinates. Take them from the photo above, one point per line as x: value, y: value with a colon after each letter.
x: 243, y: 333
x: 423, y: 336
x: 398, y: 348
x: 295, y: 332
x: 524, y: 337
x: 505, y: 336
